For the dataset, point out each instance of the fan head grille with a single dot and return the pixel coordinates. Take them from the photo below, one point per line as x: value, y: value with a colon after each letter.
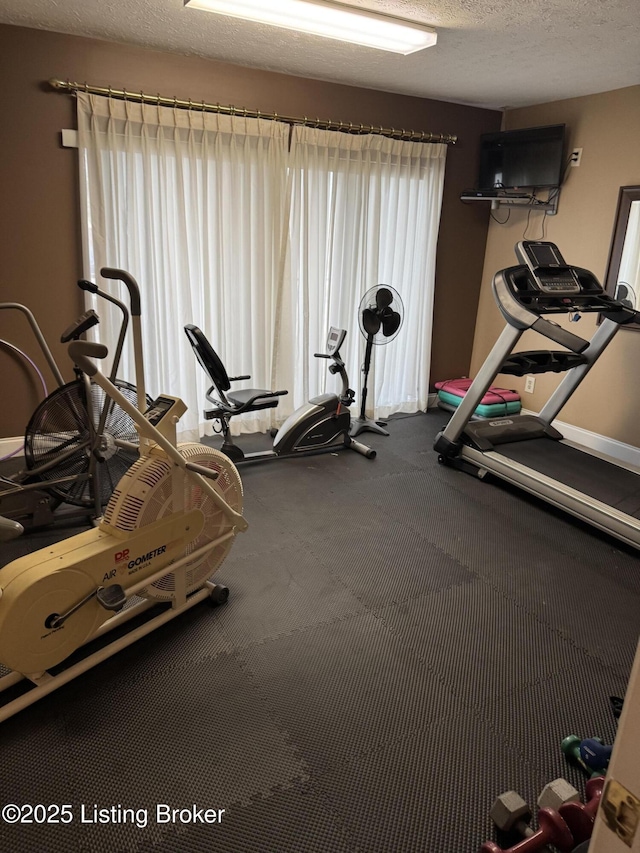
x: 380, y: 314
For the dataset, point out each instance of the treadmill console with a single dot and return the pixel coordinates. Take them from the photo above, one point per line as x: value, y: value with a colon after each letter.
x: 551, y: 272
x: 544, y: 283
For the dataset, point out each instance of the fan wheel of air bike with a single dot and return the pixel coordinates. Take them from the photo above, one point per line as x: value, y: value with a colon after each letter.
x: 146, y: 495
x: 380, y: 316
x: 61, y: 432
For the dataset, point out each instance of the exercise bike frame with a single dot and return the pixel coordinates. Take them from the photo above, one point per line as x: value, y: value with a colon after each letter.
x: 322, y: 425
x: 23, y: 497
x: 164, y: 436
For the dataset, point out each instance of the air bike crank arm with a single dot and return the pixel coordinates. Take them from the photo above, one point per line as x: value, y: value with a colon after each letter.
x: 57, y: 621
x: 110, y: 597
x: 114, y: 597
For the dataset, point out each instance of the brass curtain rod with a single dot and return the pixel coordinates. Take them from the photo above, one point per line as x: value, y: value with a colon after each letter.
x: 328, y: 124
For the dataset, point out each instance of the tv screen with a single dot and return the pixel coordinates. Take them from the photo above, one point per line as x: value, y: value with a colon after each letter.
x: 531, y: 157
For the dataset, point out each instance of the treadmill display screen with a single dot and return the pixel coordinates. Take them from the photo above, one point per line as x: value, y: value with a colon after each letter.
x: 544, y: 255
x: 549, y: 269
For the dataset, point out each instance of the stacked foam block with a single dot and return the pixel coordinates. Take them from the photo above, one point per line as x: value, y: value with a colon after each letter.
x: 496, y: 402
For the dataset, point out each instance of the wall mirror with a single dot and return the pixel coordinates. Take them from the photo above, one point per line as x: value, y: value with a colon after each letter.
x: 623, y: 272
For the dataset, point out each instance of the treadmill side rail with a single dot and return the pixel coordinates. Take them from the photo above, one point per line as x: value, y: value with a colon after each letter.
x: 594, y: 512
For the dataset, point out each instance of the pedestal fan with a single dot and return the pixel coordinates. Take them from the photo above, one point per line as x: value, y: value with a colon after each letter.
x: 625, y: 294
x: 380, y: 315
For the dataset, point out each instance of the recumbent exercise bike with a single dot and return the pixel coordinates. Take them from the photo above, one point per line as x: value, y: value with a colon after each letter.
x: 322, y: 424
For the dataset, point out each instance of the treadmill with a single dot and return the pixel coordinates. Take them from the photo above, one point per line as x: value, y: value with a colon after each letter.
x: 525, y: 449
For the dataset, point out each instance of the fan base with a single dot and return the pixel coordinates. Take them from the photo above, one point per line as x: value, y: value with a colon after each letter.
x: 359, y: 425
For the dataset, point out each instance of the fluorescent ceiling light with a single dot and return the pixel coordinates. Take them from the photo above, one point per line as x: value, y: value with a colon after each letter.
x: 328, y: 19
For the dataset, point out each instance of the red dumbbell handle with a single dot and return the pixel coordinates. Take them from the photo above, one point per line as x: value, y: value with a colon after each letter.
x: 553, y: 830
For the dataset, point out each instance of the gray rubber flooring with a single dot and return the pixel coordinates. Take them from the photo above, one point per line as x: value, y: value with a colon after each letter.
x: 402, y: 643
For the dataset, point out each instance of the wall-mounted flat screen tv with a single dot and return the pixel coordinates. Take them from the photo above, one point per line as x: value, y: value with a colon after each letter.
x: 531, y: 157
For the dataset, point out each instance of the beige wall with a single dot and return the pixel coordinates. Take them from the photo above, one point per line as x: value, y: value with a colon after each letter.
x: 607, y: 128
x: 39, y: 206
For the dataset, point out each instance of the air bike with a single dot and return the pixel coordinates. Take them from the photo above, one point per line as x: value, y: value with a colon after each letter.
x: 167, y: 528
x: 71, y: 445
x: 528, y: 450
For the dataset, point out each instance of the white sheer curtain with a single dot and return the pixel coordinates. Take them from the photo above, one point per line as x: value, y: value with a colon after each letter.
x: 262, y: 248
x: 194, y: 206
x: 365, y: 211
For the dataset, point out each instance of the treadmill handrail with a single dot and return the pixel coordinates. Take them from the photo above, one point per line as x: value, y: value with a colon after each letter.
x: 517, y: 315
x: 521, y: 306
x: 559, y: 335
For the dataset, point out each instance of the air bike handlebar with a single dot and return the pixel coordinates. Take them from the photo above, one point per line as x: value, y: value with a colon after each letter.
x: 130, y: 283
x: 90, y: 287
x: 134, y: 297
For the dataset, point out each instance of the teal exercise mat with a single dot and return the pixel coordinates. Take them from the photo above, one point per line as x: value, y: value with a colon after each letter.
x: 490, y: 411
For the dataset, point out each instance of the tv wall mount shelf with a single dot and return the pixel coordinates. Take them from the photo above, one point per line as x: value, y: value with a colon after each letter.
x: 514, y: 199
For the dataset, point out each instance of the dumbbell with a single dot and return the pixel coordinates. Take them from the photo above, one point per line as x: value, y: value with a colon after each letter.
x: 552, y: 830
x: 571, y: 748
x: 509, y: 812
x: 580, y: 817
x: 556, y: 794
x: 595, y: 754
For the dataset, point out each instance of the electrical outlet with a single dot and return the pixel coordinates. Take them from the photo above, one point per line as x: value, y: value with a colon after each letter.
x: 576, y: 156
x: 530, y: 384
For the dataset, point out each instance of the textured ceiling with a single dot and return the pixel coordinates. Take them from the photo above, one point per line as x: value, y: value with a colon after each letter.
x: 491, y: 53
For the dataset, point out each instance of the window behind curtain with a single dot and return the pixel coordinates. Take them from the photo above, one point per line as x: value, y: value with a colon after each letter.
x: 365, y: 211
x: 262, y: 248
x: 193, y: 205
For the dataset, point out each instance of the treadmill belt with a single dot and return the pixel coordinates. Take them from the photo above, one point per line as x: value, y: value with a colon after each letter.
x: 589, y: 474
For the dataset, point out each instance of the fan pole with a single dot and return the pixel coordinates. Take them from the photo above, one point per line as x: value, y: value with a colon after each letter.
x: 363, y: 423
